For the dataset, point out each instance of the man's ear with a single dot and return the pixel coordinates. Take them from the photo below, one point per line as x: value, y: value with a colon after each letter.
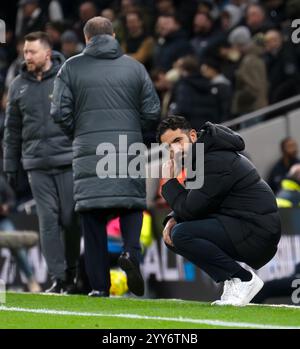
x: 114, y: 34
x: 193, y: 135
x: 49, y: 53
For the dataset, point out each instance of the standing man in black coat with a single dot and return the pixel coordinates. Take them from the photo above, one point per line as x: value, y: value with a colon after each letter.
x: 172, y: 42
x: 232, y: 217
x: 31, y: 135
x: 98, y: 96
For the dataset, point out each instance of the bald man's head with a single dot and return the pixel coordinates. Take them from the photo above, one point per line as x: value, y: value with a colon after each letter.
x: 97, y: 26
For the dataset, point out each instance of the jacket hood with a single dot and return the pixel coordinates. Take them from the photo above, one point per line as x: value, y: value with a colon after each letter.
x: 218, y: 137
x: 103, y: 46
x: 235, y: 14
x: 57, y: 60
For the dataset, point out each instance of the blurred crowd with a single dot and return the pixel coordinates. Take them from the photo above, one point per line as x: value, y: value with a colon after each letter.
x: 209, y: 59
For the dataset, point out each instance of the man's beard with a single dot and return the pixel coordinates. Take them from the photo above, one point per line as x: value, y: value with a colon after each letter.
x: 36, y: 68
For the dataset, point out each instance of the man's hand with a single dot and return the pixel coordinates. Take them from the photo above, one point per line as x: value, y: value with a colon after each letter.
x: 172, y: 167
x: 167, y: 231
x: 12, y: 179
x: 168, y: 170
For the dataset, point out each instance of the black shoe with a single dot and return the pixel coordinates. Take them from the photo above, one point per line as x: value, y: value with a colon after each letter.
x: 71, y: 289
x: 58, y: 286
x: 135, y: 280
x: 99, y: 294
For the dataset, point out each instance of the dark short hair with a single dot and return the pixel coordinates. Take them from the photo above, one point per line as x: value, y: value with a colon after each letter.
x: 41, y: 36
x: 190, y: 64
x: 98, y: 26
x: 172, y: 122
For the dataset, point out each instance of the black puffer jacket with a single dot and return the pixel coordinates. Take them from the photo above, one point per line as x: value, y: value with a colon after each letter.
x: 98, y: 96
x: 197, y: 100
x: 234, y: 193
x: 170, y: 48
x: 30, y: 132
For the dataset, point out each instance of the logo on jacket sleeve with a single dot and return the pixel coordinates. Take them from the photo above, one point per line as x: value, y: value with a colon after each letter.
x: 23, y: 89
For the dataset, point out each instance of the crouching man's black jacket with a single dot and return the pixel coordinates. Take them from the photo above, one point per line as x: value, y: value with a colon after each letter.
x: 233, y: 193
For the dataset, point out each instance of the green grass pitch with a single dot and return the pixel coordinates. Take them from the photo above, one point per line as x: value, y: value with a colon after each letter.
x: 28, y: 311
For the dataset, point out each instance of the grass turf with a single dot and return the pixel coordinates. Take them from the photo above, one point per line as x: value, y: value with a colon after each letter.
x: 259, y: 315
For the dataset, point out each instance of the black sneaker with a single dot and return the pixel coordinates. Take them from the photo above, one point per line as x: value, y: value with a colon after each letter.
x: 99, y: 294
x: 71, y: 289
x: 135, y: 280
x: 58, y: 286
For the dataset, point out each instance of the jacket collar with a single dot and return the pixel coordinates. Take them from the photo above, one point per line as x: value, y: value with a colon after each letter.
x: 103, y: 46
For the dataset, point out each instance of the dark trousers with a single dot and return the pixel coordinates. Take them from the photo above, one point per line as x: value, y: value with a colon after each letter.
x: 59, y: 225
x: 96, y: 256
x: 206, y: 244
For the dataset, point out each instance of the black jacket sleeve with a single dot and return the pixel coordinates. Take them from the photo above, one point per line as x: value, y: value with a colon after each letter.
x: 198, y: 203
x: 172, y: 214
x: 12, y: 141
x: 62, y: 110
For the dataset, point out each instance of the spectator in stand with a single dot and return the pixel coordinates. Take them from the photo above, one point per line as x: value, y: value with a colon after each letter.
x: 87, y: 10
x: 251, y: 86
x: 165, y: 7
x: 164, y: 83
x: 289, y: 150
x: 229, y: 59
x: 70, y: 45
x: 193, y: 97
x: 54, y: 31
x: 205, y: 34
x: 282, y: 66
x: 119, y: 30
x: 256, y: 20
x: 172, y: 42
x: 185, y: 11
x: 221, y: 86
x: 31, y: 18
x: 231, y: 16
x: 138, y: 44
x: 127, y: 6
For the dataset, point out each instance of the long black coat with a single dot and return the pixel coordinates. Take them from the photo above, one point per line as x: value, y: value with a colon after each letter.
x: 99, y: 95
x: 233, y: 193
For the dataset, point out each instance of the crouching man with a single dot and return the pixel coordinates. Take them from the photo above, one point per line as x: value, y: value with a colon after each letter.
x: 232, y: 218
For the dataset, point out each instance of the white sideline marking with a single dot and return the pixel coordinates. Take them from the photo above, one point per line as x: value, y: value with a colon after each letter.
x: 160, y: 299
x: 276, y: 305
x: 142, y: 317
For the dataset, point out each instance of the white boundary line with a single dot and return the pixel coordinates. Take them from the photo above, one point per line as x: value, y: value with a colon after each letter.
x: 142, y: 317
x: 290, y: 306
